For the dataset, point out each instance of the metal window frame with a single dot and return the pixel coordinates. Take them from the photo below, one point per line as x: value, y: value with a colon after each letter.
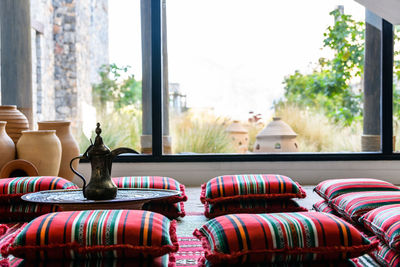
x: 386, y: 152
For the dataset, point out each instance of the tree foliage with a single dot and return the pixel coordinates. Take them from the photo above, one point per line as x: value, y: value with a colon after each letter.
x: 117, y: 85
x: 328, y: 87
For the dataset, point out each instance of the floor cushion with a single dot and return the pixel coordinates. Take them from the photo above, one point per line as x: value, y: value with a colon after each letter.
x: 323, y: 206
x: 250, y: 186
x: 383, y: 254
x: 172, y: 207
x: 170, y: 210
x: 353, y: 205
x: 329, y: 189
x: 251, y: 206
x: 281, y: 237
x: 96, y: 234
x: 162, y: 261
x: 24, y: 212
x: 11, y: 189
x: 157, y: 182
x: 385, y: 223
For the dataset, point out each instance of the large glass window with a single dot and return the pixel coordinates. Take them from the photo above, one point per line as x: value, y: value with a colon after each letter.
x: 215, y: 80
x: 262, y: 77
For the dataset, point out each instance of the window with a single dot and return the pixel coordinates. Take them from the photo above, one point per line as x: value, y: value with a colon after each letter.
x: 221, y: 80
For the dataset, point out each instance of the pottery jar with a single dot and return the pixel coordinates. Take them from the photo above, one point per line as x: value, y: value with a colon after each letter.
x: 16, y: 121
x: 43, y: 149
x: 69, y: 146
x: 7, y: 146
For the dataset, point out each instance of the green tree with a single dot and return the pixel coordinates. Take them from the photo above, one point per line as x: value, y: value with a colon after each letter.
x: 328, y: 88
x: 396, y: 76
x: 118, y: 86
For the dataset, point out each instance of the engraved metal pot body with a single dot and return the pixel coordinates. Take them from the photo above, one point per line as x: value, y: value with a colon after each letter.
x: 100, y: 186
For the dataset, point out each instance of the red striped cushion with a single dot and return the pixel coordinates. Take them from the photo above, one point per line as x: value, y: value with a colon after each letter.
x: 251, y: 206
x: 323, y: 206
x: 384, y: 255
x: 344, y: 263
x: 251, y: 186
x: 332, y: 188
x: 162, y: 261
x: 170, y: 210
x: 385, y: 223
x: 157, y: 182
x: 24, y: 212
x: 280, y: 237
x: 11, y: 189
x: 353, y: 205
x: 96, y: 234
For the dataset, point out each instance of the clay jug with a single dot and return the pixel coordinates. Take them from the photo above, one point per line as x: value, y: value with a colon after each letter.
x: 7, y: 146
x: 16, y: 121
x: 69, y: 146
x: 41, y: 148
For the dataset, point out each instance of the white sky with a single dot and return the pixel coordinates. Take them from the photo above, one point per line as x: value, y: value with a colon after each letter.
x: 230, y: 55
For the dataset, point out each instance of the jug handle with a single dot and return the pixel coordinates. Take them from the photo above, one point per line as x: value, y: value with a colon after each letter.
x: 77, y: 173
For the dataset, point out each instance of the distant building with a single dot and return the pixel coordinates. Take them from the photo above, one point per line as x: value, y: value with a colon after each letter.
x: 177, y: 100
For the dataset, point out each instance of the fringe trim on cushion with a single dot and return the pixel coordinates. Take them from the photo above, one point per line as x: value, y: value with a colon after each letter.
x: 249, y: 210
x: 183, y: 212
x: 203, y: 193
x: 171, y: 260
x: 149, y: 250
x: 216, y: 257
x: 3, y: 229
x: 254, y: 196
x: 20, y: 252
x: 4, y: 263
x: 173, y: 236
x: 5, y: 248
x: 201, y: 262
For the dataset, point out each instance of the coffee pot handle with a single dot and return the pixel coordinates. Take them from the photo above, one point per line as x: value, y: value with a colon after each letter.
x: 77, y: 173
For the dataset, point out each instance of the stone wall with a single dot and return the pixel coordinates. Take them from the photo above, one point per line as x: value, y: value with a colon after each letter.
x: 69, y: 44
x: 42, y: 59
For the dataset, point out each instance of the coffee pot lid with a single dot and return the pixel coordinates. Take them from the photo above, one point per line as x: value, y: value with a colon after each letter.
x: 98, y: 147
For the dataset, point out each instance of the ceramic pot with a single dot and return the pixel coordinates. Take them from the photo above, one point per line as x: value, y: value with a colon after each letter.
x: 41, y: 148
x: 18, y: 168
x: 69, y: 146
x: 16, y: 121
x: 7, y: 146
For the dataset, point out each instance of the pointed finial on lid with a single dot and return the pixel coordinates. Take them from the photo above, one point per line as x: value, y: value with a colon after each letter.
x: 98, y: 129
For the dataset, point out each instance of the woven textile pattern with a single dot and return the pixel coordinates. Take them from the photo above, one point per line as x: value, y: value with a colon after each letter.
x: 385, y: 223
x: 231, y: 187
x: 157, y: 182
x: 329, y: 189
x: 323, y: 206
x: 24, y: 211
x: 96, y: 234
x: 251, y: 206
x: 384, y: 254
x: 11, y: 189
x: 281, y: 237
x: 171, y: 210
x: 353, y: 205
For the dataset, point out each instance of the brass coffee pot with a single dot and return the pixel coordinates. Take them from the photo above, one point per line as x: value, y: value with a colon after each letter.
x: 101, y: 186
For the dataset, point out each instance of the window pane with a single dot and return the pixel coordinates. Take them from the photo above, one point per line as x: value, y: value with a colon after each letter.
x: 396, y: 89
x: 262, y: 77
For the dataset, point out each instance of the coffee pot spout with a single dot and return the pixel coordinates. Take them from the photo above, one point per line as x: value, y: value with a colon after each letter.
x: 122, y: 150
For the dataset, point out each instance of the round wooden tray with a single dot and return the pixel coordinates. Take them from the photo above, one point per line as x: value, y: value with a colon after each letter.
x: 73, y: 199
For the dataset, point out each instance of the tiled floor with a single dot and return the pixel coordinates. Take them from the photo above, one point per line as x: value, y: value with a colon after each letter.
x: 194, y: 209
